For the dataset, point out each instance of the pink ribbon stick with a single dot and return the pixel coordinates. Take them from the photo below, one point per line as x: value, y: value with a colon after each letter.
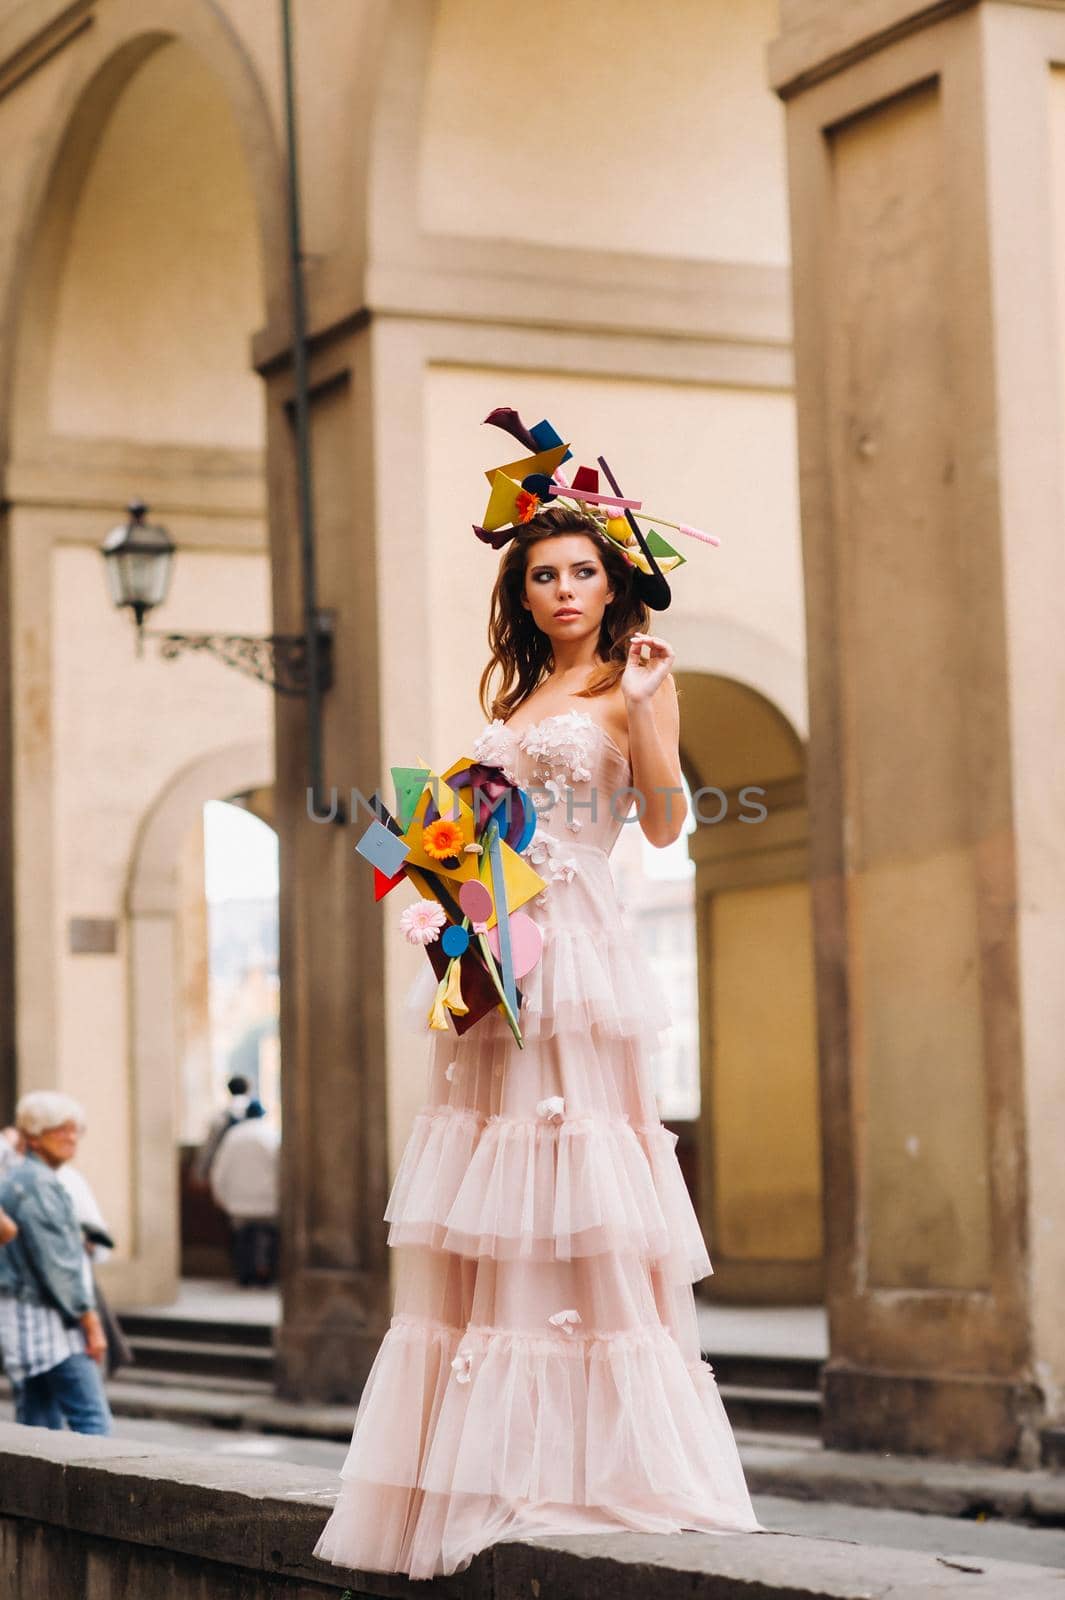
x: 599, y: 499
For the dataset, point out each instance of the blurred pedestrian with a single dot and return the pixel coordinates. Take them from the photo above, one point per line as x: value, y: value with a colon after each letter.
x: 97, y: 1244
x: 51, y: 1338
x: 238, y: 1088
x: 245, y: 1183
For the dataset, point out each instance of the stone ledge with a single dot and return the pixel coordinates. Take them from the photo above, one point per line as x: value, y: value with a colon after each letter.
x: 903, y: 1483
x: 79, y: 1516
x: 797, y: 1469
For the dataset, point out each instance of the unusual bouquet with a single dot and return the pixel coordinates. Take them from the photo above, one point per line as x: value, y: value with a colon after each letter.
x: 457, y: 837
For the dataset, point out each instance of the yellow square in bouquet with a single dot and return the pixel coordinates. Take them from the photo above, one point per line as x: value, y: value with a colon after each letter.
x: 520, y: 881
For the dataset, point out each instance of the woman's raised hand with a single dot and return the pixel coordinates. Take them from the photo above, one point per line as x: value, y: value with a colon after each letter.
x: 650, y: 661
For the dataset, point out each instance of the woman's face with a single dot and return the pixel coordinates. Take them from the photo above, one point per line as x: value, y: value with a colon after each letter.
x: 567, y: 587
x: 56, y: 1145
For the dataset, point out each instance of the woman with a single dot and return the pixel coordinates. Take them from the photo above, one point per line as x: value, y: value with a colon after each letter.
x: 51, y: 1337
x: 542, y: 1370
x: 245, y: 1182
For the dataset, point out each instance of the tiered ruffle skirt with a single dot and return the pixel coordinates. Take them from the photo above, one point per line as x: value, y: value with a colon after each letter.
x: 542, y: 1371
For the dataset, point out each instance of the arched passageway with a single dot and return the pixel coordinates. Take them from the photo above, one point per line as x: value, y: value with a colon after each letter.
x: 758, y: 1165
x: 149, y: 259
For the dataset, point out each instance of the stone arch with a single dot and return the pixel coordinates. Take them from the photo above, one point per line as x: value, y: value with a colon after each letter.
x: 151, y: 911
x: 730, y: 649
x: 106, y: 58
x: 760, y: 1202
x: 73, y: 95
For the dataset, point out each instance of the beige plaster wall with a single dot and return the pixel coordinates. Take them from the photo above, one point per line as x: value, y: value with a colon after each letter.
x: 767, y: 1147
x: 123, y: 729
x: 161, y: 288
x: 650, y: 129
x: 335, y: 51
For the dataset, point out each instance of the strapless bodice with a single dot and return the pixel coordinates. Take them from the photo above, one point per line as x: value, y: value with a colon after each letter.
x: 579, y: 780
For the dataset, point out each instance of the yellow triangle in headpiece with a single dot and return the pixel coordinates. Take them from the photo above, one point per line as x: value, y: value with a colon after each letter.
x: 502, y: 502
x: 506, y: 484
x: 545, y: 462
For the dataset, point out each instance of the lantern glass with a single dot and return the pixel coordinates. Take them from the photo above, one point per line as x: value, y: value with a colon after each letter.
x: 139, y: 558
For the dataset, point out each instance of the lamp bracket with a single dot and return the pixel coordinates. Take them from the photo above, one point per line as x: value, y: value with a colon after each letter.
x: 277, y: 659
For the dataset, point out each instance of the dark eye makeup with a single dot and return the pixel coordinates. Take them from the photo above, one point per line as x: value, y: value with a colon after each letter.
x: 587, y: 571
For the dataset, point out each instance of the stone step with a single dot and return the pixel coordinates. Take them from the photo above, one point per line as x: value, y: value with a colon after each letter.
x: 778, y: 1411
x: 200, y: 1358
x: 195, y: 1330
x: 175, y: 1364
x: 766, y: 1372
x: 159, y: 1378
x: 765, y: 1391
x: 172, y: 1395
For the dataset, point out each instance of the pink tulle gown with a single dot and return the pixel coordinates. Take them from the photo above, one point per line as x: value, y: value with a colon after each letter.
x: 541, y: 1373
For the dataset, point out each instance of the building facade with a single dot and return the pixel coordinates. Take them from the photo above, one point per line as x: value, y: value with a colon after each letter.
x: 590, y: 223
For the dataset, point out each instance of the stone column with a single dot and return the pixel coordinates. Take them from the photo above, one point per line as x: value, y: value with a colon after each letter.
x: 927, y: 264
x: 334, y: 1176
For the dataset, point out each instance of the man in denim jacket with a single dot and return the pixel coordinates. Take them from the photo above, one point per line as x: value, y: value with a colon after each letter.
x: 50, y: 1335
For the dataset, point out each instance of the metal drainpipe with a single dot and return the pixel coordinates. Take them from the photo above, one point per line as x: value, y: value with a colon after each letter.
x: 303, y: 429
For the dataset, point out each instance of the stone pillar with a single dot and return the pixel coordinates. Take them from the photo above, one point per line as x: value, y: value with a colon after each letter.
x: 335, y: 1272
x: 8, y: 976
x: 927, y: 244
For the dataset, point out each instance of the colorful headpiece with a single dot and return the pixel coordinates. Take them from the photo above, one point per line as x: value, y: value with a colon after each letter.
x: 521, y: 488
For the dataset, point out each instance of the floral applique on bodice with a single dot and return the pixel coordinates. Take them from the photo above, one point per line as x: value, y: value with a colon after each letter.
x: 578, y: 779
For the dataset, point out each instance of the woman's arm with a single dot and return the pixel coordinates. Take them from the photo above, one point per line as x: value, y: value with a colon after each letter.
x: 654, y: 733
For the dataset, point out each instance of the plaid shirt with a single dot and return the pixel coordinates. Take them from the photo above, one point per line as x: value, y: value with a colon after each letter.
x: 34, y: 1339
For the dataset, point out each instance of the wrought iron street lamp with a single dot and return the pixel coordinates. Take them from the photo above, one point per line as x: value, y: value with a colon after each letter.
x: 139, y: 559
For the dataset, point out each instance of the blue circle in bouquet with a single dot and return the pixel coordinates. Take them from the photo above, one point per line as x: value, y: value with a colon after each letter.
x: 528, y: 827
x: 454, y: 941
x: 514, y: 811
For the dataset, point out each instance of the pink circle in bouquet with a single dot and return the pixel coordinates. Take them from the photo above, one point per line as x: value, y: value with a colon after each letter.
x: 475, y: 901
x: 526, y: 942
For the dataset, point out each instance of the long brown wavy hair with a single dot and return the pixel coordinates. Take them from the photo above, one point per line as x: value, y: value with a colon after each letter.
x: 521, y: 653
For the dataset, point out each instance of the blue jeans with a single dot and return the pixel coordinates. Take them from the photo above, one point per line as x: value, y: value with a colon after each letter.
x: 255, y: 1252
x: 73, y: 1390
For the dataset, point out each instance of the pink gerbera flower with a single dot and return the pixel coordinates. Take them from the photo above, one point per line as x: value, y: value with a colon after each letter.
x: 422, y: 922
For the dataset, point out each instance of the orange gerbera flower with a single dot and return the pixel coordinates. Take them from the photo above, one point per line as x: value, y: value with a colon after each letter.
x: 527, y: 505
x: 442, y: 839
